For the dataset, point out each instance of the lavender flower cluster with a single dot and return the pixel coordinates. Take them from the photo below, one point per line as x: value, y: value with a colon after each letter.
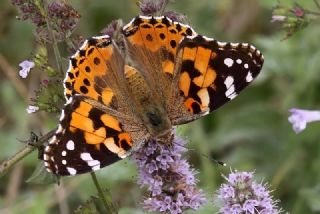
x: 242, y: 195
x: 157, y: 7
x: 29, y: 10
x: 170, y: 180
x: 62, y: 17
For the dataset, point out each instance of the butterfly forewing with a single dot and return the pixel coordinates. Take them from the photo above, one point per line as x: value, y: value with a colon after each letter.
x: 211, y: 73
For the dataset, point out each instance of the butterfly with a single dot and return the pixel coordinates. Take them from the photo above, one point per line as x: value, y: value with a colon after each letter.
x: 118, y: 98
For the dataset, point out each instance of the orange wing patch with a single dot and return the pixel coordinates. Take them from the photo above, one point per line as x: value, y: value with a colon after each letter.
x: 86, y: 66
x: 89, y: 137
x: 159, y: 35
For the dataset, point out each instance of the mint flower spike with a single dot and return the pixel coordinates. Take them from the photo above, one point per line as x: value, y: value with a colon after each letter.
x: 300, y: 117
x: 242, y: 195
x: 26, y: 66
x: 170, y: 181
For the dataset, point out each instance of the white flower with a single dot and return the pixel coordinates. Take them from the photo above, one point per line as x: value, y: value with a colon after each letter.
x: 26, y: 66
x: 276, y: 18
x: 32, y: 109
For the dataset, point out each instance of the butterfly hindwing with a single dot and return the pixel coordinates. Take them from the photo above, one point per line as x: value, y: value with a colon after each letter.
x: 87, y: 139
x: 211, y: 73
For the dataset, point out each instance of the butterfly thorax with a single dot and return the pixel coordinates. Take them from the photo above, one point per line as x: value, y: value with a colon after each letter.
x: 147, y: 105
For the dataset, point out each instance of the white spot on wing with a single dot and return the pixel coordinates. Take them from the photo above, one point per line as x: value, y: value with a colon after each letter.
x: 228, y: 81
x: 245, y: 45
x: 76, y: 53
x: 95, y: 168
x: 232, y: 96
x: 246, y: 66
x: 86, y: 156
x: 84, y: 44
x: 47, y: 149
x: 230, y: 91
x: 70, y: 145
x: 228, y: 62
x: 222, y: 44
x: 249, y: 77
x: 45, y: 157
x: 53, y: 140
x: 94, y: 163
x: 59, y: 130
x: 145, y: 17
x: 234, y: 45
x: 64, y: 153
x: 130, y: 23
x: 101, y: 37
x: 207, y: 38
x: 72, y: 171
x: 64, y: 162
x: 62, y: 115
x: 239, y: 61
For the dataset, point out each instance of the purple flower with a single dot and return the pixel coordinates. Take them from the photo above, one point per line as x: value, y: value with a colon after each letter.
x: 32, y: 109
x: 299, y: 118
x: 178, y: 17
x: 241, y: 194
x: 26, y: 66
x: 169, y: 179
x: 151, y: 7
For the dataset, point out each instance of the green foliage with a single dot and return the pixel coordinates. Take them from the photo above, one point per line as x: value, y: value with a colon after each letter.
x: 50, y: 97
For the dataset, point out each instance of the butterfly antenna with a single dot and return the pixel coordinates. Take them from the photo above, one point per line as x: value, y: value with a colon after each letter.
x: 206, y: 156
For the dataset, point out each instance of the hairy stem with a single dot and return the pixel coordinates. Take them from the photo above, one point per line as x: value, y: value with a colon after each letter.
x: 166, y: 2
x: 54, y: 41
x: 107, y: 203
x: 7, y: 164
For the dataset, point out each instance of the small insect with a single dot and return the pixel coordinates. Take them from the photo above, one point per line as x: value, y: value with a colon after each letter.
x: 118, y: 99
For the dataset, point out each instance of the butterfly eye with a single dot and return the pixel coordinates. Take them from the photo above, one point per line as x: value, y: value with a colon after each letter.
x: 154, y: 119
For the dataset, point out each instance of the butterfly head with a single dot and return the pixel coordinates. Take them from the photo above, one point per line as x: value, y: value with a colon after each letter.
x: 156, y: 121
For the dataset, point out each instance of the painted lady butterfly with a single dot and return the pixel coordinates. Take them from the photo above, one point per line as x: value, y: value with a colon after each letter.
x: 117, y: 99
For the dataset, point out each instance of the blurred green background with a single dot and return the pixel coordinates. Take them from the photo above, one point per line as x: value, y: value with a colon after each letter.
x: 250, y: 133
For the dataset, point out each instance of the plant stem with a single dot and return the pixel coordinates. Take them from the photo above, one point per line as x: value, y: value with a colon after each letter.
x: 164, y: 7
x: 7, y: 164
x: 317, y: 3
x: 312, y: 12
x: 108, y: 205
x: 54, y: 41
